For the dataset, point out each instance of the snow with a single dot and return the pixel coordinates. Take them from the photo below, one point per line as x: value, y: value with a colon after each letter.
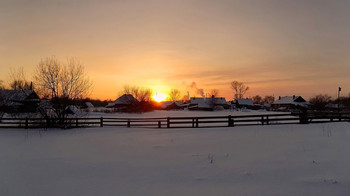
x: 184, y: 113
x: 253, y: 160
x: 247, y: 102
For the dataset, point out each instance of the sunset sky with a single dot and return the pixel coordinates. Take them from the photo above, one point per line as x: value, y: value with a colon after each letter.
x: 277, y: 47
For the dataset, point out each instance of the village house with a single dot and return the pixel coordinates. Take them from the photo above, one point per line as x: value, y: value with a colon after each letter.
x: 244, y: 103
x: 124, y: 103
x: 172, y: 105
x: 208, y: 104
x: 289, y: 103
x: 18, y: 101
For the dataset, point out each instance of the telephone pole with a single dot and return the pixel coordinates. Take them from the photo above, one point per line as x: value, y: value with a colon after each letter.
x: 339, y: 89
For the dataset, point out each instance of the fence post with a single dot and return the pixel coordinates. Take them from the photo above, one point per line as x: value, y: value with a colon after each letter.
x: 192, y: 122
x: 230, y: 121
x: 128, y: 124
x: 267, y: 120
x: 101, y: 122
x: 303, y: 118
x: 197, y: 122
x: 76, y: 122
x: 262, y: 120
x: 159, y: 124
x: 26, y: 126
x: 168, y: 122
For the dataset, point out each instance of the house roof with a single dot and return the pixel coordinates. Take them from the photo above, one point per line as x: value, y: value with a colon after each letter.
x: 219, y: 100
x: 89, y: 104
x: 203, y: 102
x: 15, y: 97
x: 294, y: 100
x: 166, y: 104
x: 200, y: 102
x: 248, y: 102
x: 126, y: 99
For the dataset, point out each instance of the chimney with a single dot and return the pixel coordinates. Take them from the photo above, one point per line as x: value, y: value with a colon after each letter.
x: 279, y: 97
x: 293, y: 96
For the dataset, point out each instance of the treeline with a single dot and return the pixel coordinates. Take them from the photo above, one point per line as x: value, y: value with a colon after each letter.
x: 318, y: 102
x: 324, y: 101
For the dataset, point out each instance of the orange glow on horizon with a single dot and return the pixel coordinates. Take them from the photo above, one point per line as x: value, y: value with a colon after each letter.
x: 159, y: 97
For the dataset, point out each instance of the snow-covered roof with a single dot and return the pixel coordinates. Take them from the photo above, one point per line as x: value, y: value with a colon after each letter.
x: 201, y: 102
x: 294, y: 100
x: 166, y: 104
x: 333, y: 105
x: 126, y: 99
x: 290, y: 100
x: 72, y: 109
x: 89, y: 104
x: 14, y: 97
x: 219, y: 100
x: 109, y: 105
x: 248, y: 102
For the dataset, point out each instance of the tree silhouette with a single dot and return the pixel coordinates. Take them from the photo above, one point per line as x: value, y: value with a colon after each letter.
x: 257, y: 99
x: 214, y: 93
x: 18, y: 81
x: 174, y: 95
x: 320, y: 101
x: 62, y: 83
x: 2, y: 85
x: 269, y: 99
x: 239, y: 89
x: 141, y: 94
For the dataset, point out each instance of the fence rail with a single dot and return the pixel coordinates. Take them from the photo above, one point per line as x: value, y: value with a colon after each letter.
x: 177, y: 122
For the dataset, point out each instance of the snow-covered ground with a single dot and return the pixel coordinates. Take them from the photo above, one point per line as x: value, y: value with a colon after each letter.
x: 273, y: 160
x: 183, y: 113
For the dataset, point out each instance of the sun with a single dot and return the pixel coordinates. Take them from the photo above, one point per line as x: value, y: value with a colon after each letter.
x: 158, y: 97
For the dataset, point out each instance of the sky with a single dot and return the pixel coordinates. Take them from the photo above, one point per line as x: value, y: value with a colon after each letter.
x: 276, y: 47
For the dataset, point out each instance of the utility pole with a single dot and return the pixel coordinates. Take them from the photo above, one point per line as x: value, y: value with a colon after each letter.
x: 339, y: 89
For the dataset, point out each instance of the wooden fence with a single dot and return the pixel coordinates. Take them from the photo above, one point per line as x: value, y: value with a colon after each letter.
x: 176, y: 122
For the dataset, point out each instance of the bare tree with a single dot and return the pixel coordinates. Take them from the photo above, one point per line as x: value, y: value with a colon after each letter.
x: 269, y: 99
x: 257, y: 99
x: 239, y: 89
x: 174, y: 94
x: 214, y: 93
x: 126, y: 89
x: 62, y: 83
x: 135, y: 91
x: 320, y: 101
x: 141, y: 94
x: 144, y: 95
x: 185, y: 98
x: 17, y: 80
x: 2, y: 85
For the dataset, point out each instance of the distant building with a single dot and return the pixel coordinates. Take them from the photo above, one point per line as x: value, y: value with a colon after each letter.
x: 289, y: 103
x: 244, y: 103
x: 87, y: 105
x: 72, y: 110
x: 18, y: 101
x: 172, y: 105
x: 208, y: 104
x: 124, y: 103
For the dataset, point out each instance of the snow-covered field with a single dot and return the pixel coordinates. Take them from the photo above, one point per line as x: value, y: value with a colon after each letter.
x: 258, y: 160
x: 183, y: 113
